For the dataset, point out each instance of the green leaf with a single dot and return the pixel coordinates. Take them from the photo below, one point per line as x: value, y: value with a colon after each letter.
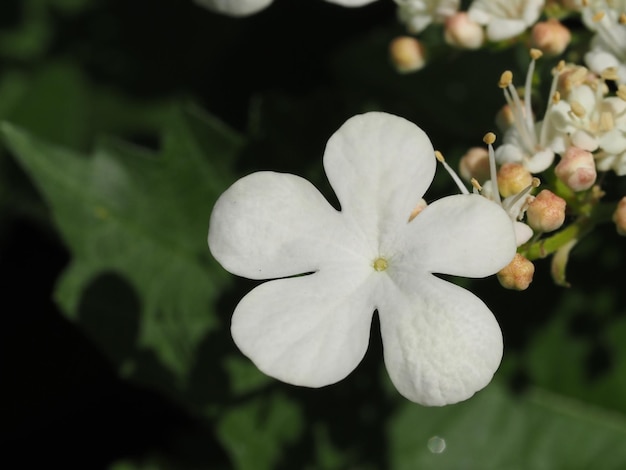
x: 494, y: 430
x: 139, y: 218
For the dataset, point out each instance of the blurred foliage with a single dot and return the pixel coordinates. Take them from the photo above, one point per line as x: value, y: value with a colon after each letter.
x: 123, y: 122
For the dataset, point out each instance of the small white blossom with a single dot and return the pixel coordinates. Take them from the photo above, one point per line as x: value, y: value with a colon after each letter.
x: 533, y: 144
x: 418, y: 14
x: 331, y: 269
x: 608, y: 46
x: 505, y: 19
x: 250, y: 7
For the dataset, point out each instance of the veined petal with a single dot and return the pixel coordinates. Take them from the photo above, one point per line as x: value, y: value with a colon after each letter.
x: 380, y: 166
x: 269, y: 225
x: 235, y: 7
x: 463, y: 235
x: 311, y: 330
x: 441, y: 342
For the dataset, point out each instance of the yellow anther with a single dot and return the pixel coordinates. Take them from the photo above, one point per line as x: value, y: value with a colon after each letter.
x: 609, y: 73
x: 556, y: 97
x: 577, y: 109
x: 585, y: 3
x: 597, y: 17
x: 505, y: 79
x: 560, y: 66
x: 606, y: 121
x: 621, y: 92
x: 536, y: 182
x: 439, y: 156
x: 476, y: 184
x: 535, y: 53
x: 622, y: 18
x: 489, y: 138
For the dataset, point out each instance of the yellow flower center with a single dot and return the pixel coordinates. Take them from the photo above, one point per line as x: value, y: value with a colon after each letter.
x: 380, y: 264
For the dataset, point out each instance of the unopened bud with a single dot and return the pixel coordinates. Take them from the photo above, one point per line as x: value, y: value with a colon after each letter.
x: 546, y: 212
x: 518, y: 274
x: 475, y: 164
x: 576, y: 169
x: 513, y: 178
x: 461, y: 31
x: 619, y: 217
x: 407, y: 54
x: 551, y: 37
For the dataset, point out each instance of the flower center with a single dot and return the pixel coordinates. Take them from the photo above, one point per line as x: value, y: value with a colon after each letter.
x: 380, y: 264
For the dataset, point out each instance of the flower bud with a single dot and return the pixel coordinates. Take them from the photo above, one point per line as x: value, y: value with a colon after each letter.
x: 475, y: 164
x: 518, y: 274
x: 619, y: 217
x: 461, y: 31
x: 576, y: 169
x: 546, y: 212
x: 551, y: 37
x: 407, y: 54
x: 513, y: 178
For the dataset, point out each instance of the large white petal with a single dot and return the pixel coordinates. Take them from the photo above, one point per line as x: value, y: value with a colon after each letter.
x: 441, y: 342
x: 310, y: 330
x: 235, y: 7
x: 380, y: 166
x: 269, y: 225
x: 464, y: 235
x: 500, y: 29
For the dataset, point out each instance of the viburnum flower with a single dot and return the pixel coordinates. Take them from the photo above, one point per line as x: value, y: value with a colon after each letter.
x: 249, y: 7
x: 331, y: 269
x: 505, y: 19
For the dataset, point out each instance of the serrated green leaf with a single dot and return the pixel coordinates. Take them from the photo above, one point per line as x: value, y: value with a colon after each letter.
x: 494, y: 430
x: 142, y: 216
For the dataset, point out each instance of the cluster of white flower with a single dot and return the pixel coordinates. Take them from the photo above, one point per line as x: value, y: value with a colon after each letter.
x: 329, y: 270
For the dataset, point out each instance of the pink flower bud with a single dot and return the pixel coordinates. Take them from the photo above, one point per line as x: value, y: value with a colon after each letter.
x: 462, y: 32
x: 518, y: 274
x: 475, y: 164
x: 513, y: 178
x: 576, y: 169
x: 551, y: 37
x: 546, y: 212
x: 619, y: 217
x: 407, y: 54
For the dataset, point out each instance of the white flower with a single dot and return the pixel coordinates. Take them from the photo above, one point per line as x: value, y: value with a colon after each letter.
x: 505, y: 18
x: 332, y: 269
x: 418, y: 14
x: 608, y: 46
x: 249, y: 7
x: 530, y: 143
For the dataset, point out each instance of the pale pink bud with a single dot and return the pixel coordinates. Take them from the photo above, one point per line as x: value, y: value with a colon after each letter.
x: 619, y: 217
x: 518, y: 274
x: 546, y: 212
x: 513, y: 178
x: 475, y: 164
x: 576, y: 169
x: 407, y: 54
x: 551, y: 37
x: 462, y: 32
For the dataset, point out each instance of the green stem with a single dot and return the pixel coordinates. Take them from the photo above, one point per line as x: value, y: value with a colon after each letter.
x: 600, y: 213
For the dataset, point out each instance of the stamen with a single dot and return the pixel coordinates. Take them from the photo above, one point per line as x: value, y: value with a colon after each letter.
x: 556, y: 97
x: 577, y: 109
x: 597, y: 17
x: 535, y: 54
x: 476, y: 184
x: 451, y: 172
x: 610, y: 73
x: 489, y: 139
x: 514, y: 206
x: 621, y: 92
x: 622, y: 18
x: 505, y: 79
